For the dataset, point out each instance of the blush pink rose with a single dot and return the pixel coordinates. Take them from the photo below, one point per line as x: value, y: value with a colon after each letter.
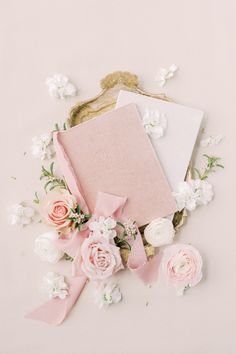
x: 100, y: 259
x: 183, y: 266
x: 56, y: 209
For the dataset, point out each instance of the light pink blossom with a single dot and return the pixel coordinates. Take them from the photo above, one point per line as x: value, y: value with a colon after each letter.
x: 100, y: 259
x: 182, y: 265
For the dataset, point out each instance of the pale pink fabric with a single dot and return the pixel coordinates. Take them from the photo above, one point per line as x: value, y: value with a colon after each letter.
x: 55, y: 310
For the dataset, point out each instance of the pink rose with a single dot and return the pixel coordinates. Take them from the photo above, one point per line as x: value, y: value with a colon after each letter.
x: 100, y: 259
x: 56, y: 209
x: 183, y: 266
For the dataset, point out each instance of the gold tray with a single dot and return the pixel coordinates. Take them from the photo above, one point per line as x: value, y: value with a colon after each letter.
x: 105, y: 101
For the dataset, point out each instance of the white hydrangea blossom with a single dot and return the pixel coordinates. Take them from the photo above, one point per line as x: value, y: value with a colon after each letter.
x: 21, y: 215
x: 193, y: 193
x: 212, y: 140
x: 42, y: 146
x: 59, y: 86
x: 104, y: 227
x: 107, y: 294
x: 155, y: 123
x: 166, y: 74
x: 45, y: 248
x: 203, y: 191
x: 54, y: 285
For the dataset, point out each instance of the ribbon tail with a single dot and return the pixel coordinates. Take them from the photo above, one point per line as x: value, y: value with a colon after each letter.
x: 55, y: 310
x: 148, y: 272
x: 138, y: 263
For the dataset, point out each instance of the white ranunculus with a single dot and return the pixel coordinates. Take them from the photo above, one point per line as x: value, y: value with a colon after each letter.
x: 20, y: 215
x: 46, y: 249
x: 155, y: 123
x: 107, y: 294
x: 55, y: 286
x: 159, y: 232
x: 42, y: 146
x: 104, y: 227
x: 60, y: 87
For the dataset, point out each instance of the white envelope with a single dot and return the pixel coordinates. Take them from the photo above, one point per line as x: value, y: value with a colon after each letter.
x: 174, y: 149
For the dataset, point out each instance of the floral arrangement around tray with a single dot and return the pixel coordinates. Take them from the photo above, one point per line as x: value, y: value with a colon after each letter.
x: 108, y: 241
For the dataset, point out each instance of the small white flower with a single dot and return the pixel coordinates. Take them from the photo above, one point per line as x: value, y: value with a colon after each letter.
x: 193, y: 193
x: 155, y: 123
x: 42, y: 146
x: 130, y: 228
x: 104, y: 227
x: 166, y: 74
x: 185, y: 197
x: 60, y: 87
x: 55, y: 286
x: 107, y: 294
x: 46, y: 249
x: 211, y: 140
x: 203, y: 191
x: 159, y: 232
x: 21, y: 215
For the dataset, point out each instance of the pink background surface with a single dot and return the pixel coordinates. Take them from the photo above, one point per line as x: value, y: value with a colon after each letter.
x: 86, y: 40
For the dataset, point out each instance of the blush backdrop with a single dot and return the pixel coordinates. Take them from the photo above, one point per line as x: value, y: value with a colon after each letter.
x: 87, y: 40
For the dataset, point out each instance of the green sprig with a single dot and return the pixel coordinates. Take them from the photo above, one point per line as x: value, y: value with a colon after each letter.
x: 211, y: 164
x: 52, y: 181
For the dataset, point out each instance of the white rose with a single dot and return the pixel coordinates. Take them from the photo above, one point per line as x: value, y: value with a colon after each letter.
x: 159, y: 232
x: 46, y: 249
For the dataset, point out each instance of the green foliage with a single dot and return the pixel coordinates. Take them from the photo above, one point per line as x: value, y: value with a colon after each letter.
x: 211, y: 164
x: 51, y: 181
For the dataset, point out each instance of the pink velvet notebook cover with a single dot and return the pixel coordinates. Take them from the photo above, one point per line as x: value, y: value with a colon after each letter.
x: 112, y: 153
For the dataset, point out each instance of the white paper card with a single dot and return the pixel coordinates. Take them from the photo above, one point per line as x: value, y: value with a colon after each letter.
x: 174, y: 149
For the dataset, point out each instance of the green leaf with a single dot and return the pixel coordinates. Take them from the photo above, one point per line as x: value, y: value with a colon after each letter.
x: 120, y: 224
x: 46, y: 185
x: 78, y: 209
x: 51, y: 168
x: 36, y: 200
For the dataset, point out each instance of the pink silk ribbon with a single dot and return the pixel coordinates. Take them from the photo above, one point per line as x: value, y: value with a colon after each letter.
x: 55, y: 310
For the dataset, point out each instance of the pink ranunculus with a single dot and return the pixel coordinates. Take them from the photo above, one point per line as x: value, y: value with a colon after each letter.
x: 100, y: 259
x: 183, y: 266
x: 56, y: 209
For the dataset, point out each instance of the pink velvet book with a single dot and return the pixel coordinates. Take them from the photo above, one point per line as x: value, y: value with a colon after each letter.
x: 112, y: 153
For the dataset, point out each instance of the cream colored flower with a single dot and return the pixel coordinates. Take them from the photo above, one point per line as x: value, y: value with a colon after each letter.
x: 46, y: 249
x: 159, y: 232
